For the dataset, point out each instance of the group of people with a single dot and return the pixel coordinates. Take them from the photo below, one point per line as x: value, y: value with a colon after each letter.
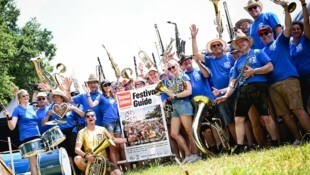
x: 259, y: 84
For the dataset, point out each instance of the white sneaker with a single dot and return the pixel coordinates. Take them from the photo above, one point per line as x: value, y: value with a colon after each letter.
x: 186, y: 159
x: 191, y: 158
x: 296, y: 142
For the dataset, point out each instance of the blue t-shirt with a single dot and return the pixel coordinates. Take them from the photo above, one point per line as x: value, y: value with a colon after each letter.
x: 41, y: 115
x: 300, y: 56
x: 256, y: 58
x: 27, y: 122
x: 109, y: 109
x: 279, y: 53
x: 220, y: 68
x: 69, y: 118
x: 77, y: 118
x: 200, y: 86
x: 269, y: 19
x: 82, y: 99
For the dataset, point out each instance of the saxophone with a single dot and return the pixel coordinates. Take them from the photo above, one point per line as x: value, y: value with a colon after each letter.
x: 43, y: 75
x: 114, y: 65
x: 99, y: 167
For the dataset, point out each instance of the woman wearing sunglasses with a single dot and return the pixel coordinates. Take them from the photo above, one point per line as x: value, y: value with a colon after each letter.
x: 25, y: 116
x: 111, y: 119
x: 182, y: 114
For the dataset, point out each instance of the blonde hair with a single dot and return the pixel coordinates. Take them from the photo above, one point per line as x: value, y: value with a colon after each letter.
x: 20, y: 93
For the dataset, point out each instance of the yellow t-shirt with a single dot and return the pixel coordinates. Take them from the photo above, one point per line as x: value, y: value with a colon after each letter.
x: 90, y: 139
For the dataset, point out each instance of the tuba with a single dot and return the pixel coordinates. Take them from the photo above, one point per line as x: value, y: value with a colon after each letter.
x: 217, y: 125
x: 203, y: 107
x: 146, y: 59
x: 43, y: 75
x: 290, y: 6
x: 99, y: 167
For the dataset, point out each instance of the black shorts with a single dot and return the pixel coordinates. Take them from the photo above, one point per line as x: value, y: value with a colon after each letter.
x: 252, y: 94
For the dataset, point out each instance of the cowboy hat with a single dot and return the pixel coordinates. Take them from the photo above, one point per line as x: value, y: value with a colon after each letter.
x: 92, y: 78
x: 252, y: 3
x: 238, y: 23
x: 60, y: 93
x: 216, y: 40
x: 184, y: 57
x: 239, y: 37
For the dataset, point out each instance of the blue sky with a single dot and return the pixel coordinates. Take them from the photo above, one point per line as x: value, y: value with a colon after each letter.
x: 80, y: 27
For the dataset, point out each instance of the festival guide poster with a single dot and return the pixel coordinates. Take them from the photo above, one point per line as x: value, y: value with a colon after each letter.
x: 143, y: 120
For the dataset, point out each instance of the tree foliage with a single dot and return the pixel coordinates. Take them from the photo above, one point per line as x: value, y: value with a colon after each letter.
x: 17, y: 46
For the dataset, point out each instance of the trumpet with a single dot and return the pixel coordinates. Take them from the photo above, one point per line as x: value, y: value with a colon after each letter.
x: 146, y: 59
x: 291, y: 6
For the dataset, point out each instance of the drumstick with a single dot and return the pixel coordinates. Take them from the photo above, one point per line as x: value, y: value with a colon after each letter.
x: 180, y: 164
x: 12, y: 160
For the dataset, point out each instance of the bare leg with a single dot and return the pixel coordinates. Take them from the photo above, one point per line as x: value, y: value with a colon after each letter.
x: 187, y: 123
x: 257, y: 127
x: 270, y: 126
x: 175, y: 133
x: 33, y: 165
x: 249, y: 133
x: 303, y: 118
x: 240, y: 129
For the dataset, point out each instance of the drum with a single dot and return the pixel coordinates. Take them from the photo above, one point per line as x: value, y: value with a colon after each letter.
x: 53, y: 137
x: 21, y: 164
x: 54, y: 162
x: 31, y: 148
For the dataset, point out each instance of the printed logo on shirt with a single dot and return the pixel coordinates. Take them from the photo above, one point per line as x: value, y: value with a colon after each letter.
x: 299, y: 47
x: 227, y: 65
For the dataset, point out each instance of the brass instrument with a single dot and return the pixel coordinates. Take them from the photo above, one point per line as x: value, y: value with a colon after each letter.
x: 99, y: 71
x: 179, y: 43
x: 168, y: 49
x: 159, y: 40
x: 218, y: 20
x: 99, y: 167
x: 75, y: 82
x: 291, y: 6
x: 229, y: 23
x: 146, y: 59
x: 114, y: 65
x: 43, y: 75
x: 217, y: 125
x: 203, y: 106
x: 126, y: 73
x: 161, y: 88
x: 135, y: 63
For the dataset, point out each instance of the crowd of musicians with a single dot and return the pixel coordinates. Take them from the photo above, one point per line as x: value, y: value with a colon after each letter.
x: 259, y: 83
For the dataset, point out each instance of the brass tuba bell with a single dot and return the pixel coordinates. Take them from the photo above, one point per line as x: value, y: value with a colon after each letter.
x: 291, y: 6
x: 203, y: 106
x: 148, y: 63
x: 126, y: 73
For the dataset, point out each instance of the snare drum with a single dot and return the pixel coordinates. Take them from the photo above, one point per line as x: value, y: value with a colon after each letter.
x: 53, y: 137
x: 54, y: 162
x: 31, y: 148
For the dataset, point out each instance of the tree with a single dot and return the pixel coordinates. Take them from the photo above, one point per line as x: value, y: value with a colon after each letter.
x: 17, y: 46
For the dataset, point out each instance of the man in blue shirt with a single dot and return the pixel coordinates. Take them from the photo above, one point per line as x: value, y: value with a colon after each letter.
x: 255, y: 8
x: 249, y: 72
x: 285, y: 89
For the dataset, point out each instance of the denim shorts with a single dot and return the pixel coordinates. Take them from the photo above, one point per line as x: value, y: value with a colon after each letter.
x: 114, y: 127
x: 181, y: 107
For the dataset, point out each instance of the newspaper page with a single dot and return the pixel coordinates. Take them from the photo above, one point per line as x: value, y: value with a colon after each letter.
x: 143, y: 120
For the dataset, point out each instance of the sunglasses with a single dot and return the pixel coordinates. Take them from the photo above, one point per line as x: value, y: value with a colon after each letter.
x: 265, y: 33
x: 216, y: 45
x: 27, y: 95
x: 172, y: 67
x: 41, y: 99
x: 90, y: 115
x: 251, y: 8
x: 106, y: 85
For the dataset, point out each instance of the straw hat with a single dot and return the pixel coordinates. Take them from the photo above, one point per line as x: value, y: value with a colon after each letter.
x: 60, y: 93
x: 216, y: 40
x: 239, y: 37
x: 140, y: 79
x: 42, y: 94
x: 238, y: 23
x: 252, y: 3
x: 92, y: 78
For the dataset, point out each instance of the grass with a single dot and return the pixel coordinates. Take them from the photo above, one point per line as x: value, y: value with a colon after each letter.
x: 283, y: 160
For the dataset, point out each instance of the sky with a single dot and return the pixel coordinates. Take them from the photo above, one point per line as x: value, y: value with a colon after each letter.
x: 80, y: 27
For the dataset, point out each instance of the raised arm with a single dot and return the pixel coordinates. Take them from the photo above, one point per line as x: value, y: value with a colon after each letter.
x: 194, y: 32
x: 205, y: 72
x: 287, y: 21
x: 306, y: 19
